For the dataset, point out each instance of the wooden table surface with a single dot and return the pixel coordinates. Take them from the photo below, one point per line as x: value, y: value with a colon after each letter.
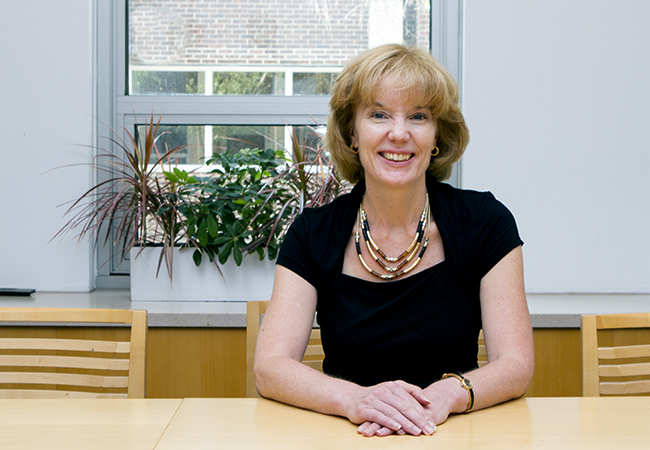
x: 88, y: 424
x: 221, y: 423
x: 530, y: 423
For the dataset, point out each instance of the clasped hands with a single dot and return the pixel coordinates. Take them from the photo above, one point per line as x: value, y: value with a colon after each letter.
x: 394, y: 407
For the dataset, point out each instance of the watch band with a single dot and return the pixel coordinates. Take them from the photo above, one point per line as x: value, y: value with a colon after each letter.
x: 465, y: 384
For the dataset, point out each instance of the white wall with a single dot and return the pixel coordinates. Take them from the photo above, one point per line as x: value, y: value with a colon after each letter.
x: 556, y: 95
x: 557, y: 98
x: 46, y: 99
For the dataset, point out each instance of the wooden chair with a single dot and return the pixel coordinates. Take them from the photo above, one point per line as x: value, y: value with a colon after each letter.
x: 46, y: 365
x: 313, y: 356
x: 614, y: 360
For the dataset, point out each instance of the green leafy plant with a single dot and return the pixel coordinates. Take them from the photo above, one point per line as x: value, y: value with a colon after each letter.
x: 218, y: 208
x: 248, y: 202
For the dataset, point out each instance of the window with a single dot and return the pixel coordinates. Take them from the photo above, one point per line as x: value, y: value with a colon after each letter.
x: 226, y: 73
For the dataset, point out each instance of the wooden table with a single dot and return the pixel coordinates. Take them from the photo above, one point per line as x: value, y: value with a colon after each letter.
x: 84, y: 424
x: 530, y: 423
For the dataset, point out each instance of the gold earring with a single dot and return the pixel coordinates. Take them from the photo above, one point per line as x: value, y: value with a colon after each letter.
x: 354, y: 150
x: 435, y: 151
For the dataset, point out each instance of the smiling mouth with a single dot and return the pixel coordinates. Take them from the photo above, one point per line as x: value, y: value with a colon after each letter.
x: 397, y: 157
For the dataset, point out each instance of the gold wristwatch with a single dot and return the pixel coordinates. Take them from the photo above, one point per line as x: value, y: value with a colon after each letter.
x: 465, y: 384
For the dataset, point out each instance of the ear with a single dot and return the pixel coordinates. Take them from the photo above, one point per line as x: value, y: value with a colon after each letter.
x: 353, y: 138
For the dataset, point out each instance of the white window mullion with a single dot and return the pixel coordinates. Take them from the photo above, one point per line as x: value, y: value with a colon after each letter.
x: 288, y: 82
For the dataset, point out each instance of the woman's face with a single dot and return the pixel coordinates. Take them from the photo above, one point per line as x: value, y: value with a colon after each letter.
x: 395, y: 136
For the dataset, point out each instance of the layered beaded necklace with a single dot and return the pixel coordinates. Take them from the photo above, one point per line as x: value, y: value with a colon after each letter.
x: 420, y: 240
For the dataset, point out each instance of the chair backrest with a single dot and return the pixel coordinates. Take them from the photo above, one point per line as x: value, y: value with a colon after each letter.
x: 313, y: 356
x: 481, y: 358
x: 615, y: 354
x: 48, y: 366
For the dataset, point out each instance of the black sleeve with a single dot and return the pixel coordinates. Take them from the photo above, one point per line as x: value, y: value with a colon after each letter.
x: 295, y: 250
x: 498, y: 234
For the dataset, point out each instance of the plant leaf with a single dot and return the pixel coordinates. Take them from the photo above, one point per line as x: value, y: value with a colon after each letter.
x: 237, y: 255
x: 203, y: 233
x: 213, y: 226
x: 196, y: 256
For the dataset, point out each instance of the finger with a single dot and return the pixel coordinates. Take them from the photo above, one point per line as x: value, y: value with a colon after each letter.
x: 383, y: 431
x: 392, y: 406
x: 363, y: 426
x: 411, y: 409
x: 384, y: 414
x: 415, y: 391
x: 369, y: 429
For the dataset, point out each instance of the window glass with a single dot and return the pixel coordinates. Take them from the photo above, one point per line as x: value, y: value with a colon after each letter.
x: 163, y: 82
x: 248, y: 83
x: 190, y: 138
x: 253, y: 47
x: 199, y: 142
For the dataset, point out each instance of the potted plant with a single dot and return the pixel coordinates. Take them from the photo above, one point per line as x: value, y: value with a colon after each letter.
x: 161, y: 214
x: 242, y: 207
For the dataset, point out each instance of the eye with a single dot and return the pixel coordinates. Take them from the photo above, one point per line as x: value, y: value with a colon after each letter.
x: 420, y: 117
x: 377, y: 115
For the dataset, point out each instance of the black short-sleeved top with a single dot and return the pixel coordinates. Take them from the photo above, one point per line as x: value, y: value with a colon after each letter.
x: 416, y: 328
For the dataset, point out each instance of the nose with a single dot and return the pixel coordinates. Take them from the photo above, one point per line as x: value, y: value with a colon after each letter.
x: 399, y: 130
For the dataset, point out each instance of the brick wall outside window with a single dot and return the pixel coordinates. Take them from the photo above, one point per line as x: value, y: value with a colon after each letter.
x: 254, y: 32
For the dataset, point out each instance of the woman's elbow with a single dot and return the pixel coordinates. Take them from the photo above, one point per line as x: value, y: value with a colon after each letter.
x: 260, y: 374
x: 525, y: 371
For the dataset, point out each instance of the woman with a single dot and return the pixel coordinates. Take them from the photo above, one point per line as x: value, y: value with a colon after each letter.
x: 404, y: 271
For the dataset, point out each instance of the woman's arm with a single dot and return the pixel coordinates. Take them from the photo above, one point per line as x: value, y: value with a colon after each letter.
x: 279, y: 374
x: 508, y: 339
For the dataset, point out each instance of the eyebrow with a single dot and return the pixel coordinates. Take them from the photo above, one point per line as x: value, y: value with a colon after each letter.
x: 417, y: 107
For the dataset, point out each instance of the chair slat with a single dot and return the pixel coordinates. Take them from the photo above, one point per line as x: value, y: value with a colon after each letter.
x: 317, y: 365
x: 66, y: 379
x: 314, y: 350
x: 66, y: 315
x: 627, y: 351
x: 74, y: 362
x: 73, y: 345
x: 625, y: 387
x: 47, y: 393
x: 624, y: 370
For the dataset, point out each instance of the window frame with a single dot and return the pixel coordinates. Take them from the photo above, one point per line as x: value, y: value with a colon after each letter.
x: 116, y: 111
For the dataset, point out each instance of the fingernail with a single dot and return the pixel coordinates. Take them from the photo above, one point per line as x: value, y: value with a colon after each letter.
x: 416, y: 430
x: 429, y: 428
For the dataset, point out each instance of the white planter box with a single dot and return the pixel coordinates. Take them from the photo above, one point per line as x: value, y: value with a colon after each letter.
x: 253, y: 280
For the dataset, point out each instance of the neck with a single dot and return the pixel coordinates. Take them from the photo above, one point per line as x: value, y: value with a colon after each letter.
x: 394, y: 206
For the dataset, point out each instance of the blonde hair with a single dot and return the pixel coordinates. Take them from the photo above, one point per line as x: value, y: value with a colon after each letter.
x: 422, y: 77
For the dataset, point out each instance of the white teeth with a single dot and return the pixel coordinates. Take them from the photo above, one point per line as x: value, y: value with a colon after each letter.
x: 397, y: 156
